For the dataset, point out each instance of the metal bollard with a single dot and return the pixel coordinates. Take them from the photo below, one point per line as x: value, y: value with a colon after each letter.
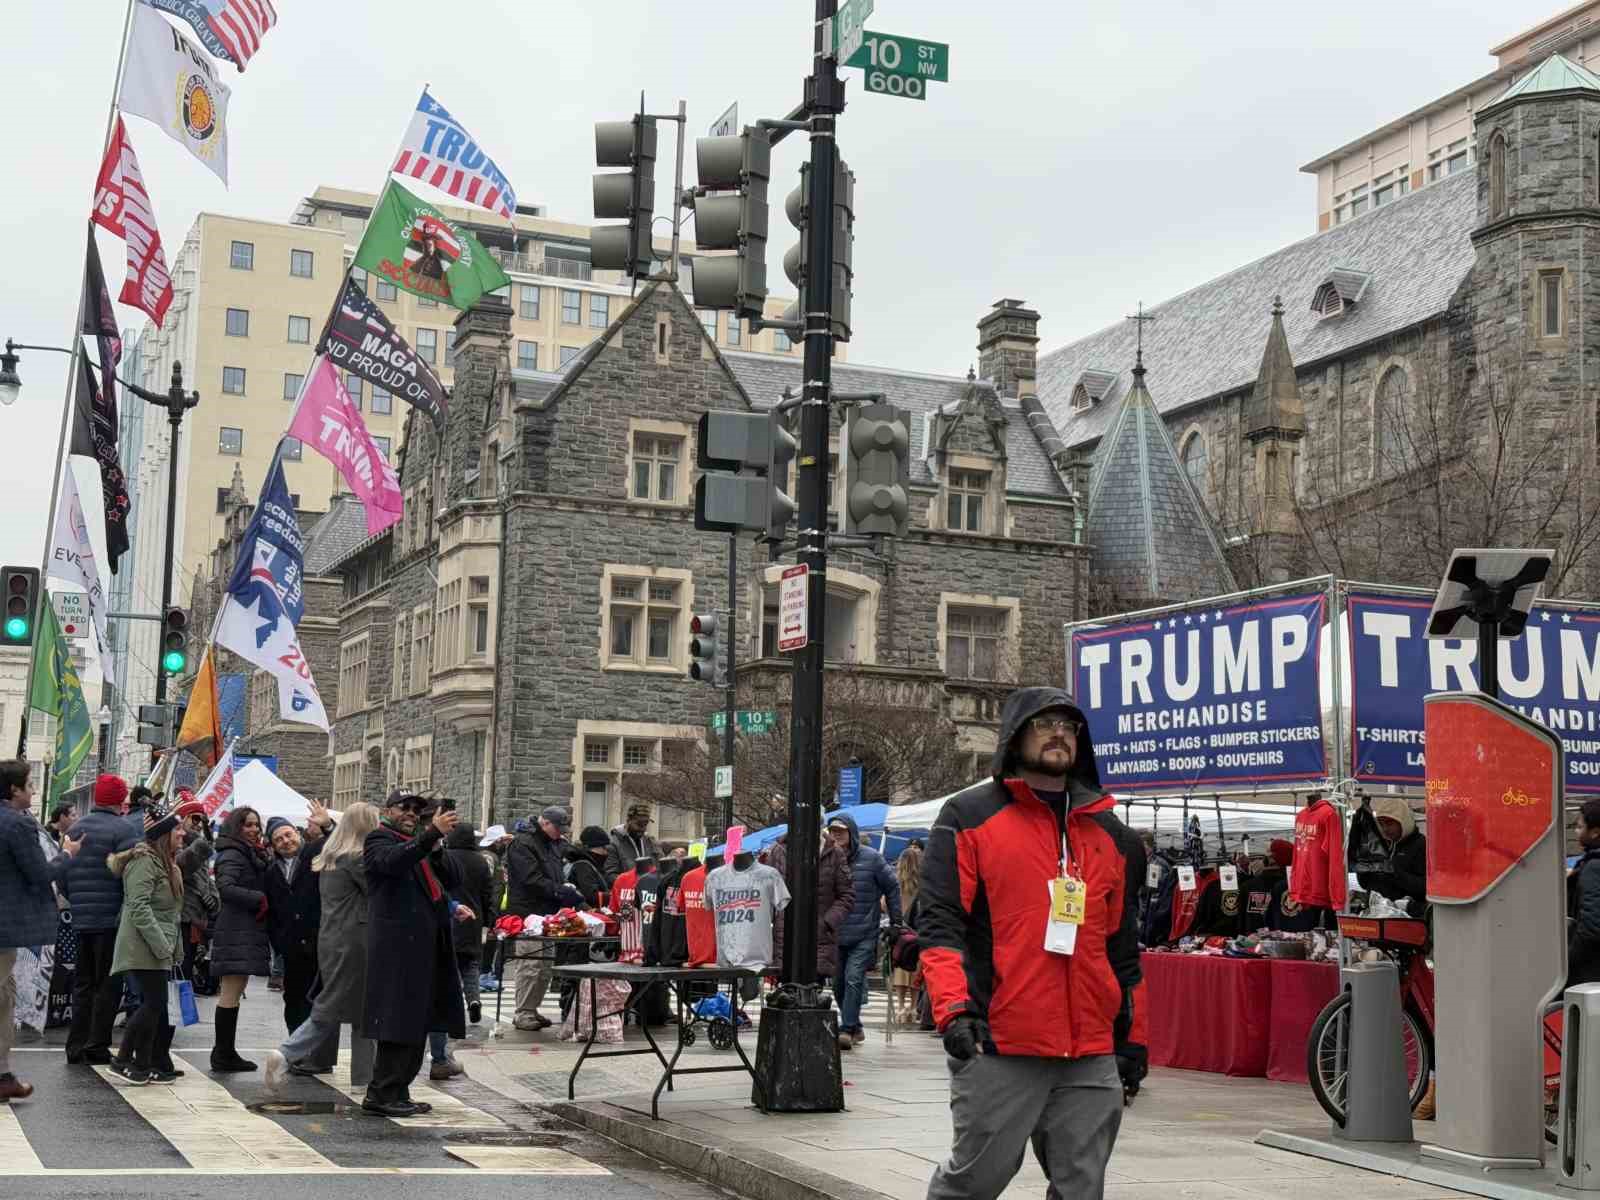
x: 1377, y: 1097
x: 1578, y: 1149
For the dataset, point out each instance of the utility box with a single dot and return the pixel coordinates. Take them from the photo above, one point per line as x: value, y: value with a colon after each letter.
x: 1578, y: 1147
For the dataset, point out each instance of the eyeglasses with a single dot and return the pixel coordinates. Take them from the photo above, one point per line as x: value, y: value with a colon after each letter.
x: 1056, y: 725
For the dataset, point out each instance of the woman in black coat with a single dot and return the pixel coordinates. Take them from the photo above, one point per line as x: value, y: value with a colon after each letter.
x: 240, y: 947
x: 476, y: 891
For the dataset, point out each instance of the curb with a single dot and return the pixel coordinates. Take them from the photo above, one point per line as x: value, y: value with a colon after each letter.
x: 743, y: 1170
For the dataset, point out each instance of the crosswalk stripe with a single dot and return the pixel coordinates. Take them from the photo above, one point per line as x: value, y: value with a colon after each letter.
x: 211, y: 1129
x: 14, y: 1147
x: 449, y: 1112
x: 531, y: 1160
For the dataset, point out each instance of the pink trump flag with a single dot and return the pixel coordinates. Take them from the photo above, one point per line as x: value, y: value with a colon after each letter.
x: 326, y: 420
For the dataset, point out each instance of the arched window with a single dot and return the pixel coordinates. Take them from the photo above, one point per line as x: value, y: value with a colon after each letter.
x: 1196, y: 462
x: 1390, y: 416
x: 1497, y: 176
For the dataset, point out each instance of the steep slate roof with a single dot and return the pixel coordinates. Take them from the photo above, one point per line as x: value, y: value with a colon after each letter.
x: 1208, y: 340
x: 1151, y: 535
x: 1028, y: 469
x: 339, y: 530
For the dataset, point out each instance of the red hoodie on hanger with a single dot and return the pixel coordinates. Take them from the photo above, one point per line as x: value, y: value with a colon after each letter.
x: 1319, y: 868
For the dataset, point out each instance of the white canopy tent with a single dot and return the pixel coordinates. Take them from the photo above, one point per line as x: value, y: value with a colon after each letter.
x: 255, y: 786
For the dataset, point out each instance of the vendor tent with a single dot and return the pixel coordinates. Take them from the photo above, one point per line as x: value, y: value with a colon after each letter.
x: 1142, y: 812
x: 254, y: 786
x: 869, y: 819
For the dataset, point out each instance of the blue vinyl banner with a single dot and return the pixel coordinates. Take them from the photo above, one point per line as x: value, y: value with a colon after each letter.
x: 1550, y: 674
x: 1202, y: 698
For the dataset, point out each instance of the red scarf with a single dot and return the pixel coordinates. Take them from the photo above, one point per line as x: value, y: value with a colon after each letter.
x: 435, y: 892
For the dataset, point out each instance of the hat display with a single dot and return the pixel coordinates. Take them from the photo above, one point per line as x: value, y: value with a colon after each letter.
x: 492, y: 835
x: 159, y: 819
x: 109, y: 791
x: 557, y: 816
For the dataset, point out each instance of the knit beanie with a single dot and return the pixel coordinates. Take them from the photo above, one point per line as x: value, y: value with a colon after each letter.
x: 1282, y: 852
x: 159, y: 820
x: 109, y: 792
x: 594, y: 838
x: 276, y: 823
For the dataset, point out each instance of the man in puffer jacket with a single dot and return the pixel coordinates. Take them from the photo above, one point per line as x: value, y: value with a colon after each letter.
x: 96, y: 897
x: 873, y: 882
x: 1030, y: 952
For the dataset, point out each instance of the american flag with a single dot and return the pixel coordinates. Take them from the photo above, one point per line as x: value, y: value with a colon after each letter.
x: 229, y: 29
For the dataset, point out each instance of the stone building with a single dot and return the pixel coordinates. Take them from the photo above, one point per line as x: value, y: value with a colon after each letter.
x: 1412, y: 380
x: 521, y: 638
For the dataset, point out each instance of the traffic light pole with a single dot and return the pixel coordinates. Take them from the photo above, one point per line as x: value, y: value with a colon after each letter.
x: 824, y: 100
x: 731, y: 700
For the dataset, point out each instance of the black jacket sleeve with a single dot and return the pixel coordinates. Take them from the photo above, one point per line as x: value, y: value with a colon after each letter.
x: 394, y: 857
x: 1584, y: 942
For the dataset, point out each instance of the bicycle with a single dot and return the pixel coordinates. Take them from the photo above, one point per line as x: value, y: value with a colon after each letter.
x: 1405, y: 940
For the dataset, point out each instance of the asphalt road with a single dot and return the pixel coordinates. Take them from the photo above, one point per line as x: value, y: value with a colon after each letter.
x: 84, y: 1133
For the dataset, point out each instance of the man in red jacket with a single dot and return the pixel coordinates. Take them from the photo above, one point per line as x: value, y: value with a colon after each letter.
x: 1030, y: 952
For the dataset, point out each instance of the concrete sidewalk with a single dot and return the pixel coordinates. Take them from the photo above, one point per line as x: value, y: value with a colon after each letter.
x: 1187, y: 1134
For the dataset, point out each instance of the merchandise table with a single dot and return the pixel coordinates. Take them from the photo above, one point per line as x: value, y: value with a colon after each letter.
x: 1246, y: 1017
x: 681, y: 980
x: 597, y: 948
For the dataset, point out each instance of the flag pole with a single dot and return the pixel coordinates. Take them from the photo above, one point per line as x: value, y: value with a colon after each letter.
x: 67, y: 403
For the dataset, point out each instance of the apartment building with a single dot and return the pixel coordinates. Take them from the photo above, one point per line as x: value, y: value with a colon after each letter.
x: 1436, y: 140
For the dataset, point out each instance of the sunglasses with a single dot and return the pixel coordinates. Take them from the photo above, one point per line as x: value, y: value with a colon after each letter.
x: 1056, y: 725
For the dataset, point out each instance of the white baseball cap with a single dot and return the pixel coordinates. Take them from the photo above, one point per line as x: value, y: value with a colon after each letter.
x: 492, y: 835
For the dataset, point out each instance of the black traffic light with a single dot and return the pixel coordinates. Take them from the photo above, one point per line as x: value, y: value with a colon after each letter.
x: 795, y: 263
x: 738, y: 165
x: 20, y: 588
x: 705, y: 649
x: 745, y: 459
x: 876, y: 460
x: 157, y: 725
x: 628, y: 195
x: 174, y: 641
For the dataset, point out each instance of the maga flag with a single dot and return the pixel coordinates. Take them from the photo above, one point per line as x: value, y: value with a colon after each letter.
x: 230, y: 29
x: 359, y: 339
x: 409, y: 242
x: 201, y: 734
x: 122, y: 205
x: 100, y: 323
x: 58, y: 691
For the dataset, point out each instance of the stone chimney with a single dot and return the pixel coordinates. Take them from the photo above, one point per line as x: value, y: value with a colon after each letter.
x: 1007, y: 336
x: 482, y: 354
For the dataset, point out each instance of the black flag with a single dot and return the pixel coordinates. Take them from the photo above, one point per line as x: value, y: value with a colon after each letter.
x: 359, y: 339
x: 100, y: 323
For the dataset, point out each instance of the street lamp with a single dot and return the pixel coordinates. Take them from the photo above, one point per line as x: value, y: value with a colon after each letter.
x: 10, y: 384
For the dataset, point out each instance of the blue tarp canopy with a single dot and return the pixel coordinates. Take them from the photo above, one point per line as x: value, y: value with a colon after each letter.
x: 869, y: 819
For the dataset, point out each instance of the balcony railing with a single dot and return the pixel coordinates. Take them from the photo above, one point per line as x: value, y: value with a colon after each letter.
x: 559, y: 268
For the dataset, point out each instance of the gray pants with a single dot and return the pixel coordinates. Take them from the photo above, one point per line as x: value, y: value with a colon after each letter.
x: 8, y: 1008
x: 533, y: 977
x: 1070, y: 1109
x: 315, y: 1043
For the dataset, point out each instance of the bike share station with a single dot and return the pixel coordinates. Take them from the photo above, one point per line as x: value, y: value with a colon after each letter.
x: 1496, y: 881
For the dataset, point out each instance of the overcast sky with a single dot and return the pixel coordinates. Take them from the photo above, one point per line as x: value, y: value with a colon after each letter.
x: 1083, y: 156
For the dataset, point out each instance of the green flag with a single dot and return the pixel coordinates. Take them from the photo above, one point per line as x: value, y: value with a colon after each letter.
x: 410, y: 243
x: 58, y: 691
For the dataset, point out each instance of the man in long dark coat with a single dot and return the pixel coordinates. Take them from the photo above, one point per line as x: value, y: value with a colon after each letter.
x: 412, y: 986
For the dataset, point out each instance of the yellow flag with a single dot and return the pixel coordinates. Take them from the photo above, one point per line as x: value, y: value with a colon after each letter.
x: 201, y: 734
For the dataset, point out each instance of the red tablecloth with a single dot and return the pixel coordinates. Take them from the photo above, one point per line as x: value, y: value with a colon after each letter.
x: 1300, y: 990
x: 1209, y: 1013
x: 1234, y: 1016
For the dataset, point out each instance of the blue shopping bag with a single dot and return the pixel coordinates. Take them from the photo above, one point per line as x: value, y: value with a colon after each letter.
x: 180, y: 1002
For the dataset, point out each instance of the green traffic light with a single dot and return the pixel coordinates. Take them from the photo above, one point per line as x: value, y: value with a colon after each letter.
x: 173, y: 662
x: 17, y: 627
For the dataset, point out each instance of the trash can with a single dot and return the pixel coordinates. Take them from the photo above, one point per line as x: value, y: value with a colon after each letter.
x: 1578, y: 1144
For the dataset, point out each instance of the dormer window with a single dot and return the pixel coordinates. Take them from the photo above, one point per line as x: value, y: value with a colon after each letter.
x: 1340, y: 289
x: 1080, y: 400
x: 1092, y: 387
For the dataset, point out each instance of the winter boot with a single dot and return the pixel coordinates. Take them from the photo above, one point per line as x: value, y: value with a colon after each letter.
x: 162, y: 1059
x: 224, y: 1058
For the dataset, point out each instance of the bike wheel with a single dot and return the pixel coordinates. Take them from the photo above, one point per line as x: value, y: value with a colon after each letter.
x: 1328, y: 1057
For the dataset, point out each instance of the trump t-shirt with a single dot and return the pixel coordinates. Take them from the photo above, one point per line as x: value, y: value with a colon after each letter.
x: 745, y: 903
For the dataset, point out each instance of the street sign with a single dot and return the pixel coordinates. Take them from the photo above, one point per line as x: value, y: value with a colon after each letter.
x: 72, y: 611
x: 746, y: 720
x: 794, y: 621
x: 727, y: 124
x: 849, y: 794
x: 848, y: 28
x: 724, y: 787
x: 908, y: 87
x: 897, y: 55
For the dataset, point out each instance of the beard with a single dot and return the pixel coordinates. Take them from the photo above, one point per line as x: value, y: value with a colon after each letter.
x: 1043, y: 765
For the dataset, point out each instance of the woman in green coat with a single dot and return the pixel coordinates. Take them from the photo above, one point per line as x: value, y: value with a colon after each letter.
x: 148, y: 945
